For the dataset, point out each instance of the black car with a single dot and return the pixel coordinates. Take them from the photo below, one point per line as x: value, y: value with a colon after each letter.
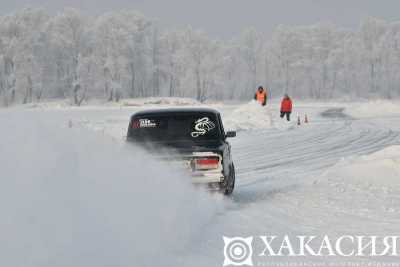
x: 196, y: 135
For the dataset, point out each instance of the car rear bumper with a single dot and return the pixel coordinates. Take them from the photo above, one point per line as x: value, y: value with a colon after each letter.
x: 213, y: 176
x: 206, y: 177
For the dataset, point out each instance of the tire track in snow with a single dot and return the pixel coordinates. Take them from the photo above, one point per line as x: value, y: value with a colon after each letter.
x: 281, y: 157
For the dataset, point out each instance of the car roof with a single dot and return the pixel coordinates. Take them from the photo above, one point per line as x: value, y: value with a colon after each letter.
x: 175, y: 111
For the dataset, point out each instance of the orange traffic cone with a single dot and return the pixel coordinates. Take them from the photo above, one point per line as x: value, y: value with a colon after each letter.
x: 298, y: 120
x: 305, y: 119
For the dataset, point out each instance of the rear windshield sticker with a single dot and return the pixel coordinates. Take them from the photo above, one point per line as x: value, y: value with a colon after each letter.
x: 144, y: 123
x: 202, y: 126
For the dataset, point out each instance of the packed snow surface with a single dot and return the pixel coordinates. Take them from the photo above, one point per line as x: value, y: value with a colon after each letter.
x: 74, y: 194
x: 381, y: 168
x: 377, y: 108
x: 372, y: 182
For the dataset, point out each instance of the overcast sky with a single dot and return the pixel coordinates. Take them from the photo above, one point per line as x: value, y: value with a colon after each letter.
x: 226, y: 18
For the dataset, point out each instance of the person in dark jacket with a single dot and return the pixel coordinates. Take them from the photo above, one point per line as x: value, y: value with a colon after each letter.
x: 286, y: 107
x: 261, y: 96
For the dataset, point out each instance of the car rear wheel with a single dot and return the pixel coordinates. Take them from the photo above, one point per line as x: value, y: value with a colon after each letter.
x: 230, y: 182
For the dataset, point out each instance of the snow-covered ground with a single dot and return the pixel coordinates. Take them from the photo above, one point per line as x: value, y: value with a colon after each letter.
x: 73, y: 194
x: 377, y: 108
x: 249, y: 116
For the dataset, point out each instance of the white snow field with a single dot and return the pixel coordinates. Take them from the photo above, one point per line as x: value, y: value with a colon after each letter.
x: 73, y: 193
x: 377, y: 108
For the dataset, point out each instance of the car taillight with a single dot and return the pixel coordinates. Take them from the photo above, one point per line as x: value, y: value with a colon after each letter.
x: 207, y: 163
x: 136, y: 124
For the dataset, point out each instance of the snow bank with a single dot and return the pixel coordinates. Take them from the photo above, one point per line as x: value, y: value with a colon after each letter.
x: 127, y: 102
x: 51, y: 104
x: 174, y: 101
x: 69, y: 197
x: 380, y: 169
x: 248, y: 117
x: 366, y: 186
x: 378, y: 108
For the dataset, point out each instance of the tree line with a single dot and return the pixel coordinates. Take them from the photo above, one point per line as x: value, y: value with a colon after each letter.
x: 124, y: 54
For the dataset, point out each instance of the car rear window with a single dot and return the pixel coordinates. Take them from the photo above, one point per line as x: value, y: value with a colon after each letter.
x: 176, y: 127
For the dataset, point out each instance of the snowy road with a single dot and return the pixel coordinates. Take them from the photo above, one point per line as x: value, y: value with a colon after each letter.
x: 283, y: 161
x: 278, y: 173
x: 281, y: 186
x: 275, y: 156
x: 277, y: 169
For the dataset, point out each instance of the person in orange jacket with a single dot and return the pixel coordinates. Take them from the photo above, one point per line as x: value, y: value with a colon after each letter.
x: 286, y: 107
x: 261, y: 96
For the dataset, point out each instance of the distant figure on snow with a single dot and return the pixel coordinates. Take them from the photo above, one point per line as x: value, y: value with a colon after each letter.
x: 261, y: 96
x: 286, y: 107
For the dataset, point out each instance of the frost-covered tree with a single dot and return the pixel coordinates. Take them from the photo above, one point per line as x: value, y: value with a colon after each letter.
x: 124, y: 54
x: 66, y: 37
x: 202, y: 55
x: 251, y: 45
x: 173, y: 63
